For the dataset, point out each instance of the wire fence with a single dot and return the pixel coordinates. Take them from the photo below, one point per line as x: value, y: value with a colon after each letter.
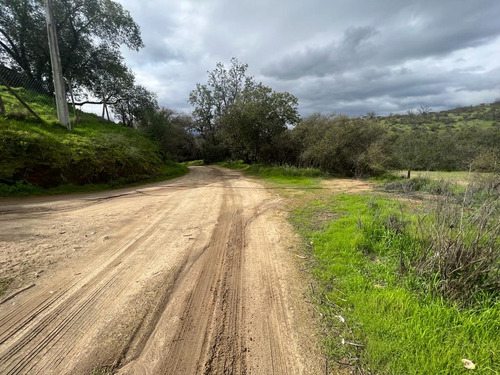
x: 23, y: 97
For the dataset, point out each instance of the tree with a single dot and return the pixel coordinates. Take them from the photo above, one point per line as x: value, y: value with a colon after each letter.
x: 134, y: 105
x: 170, y: 130
x: 340, y: 145
x: 252, y: 124
x: 223, y: 88
x: 236, y: 115
x: 110, y: 81
x: 89, y: 31
x: 23, y: 37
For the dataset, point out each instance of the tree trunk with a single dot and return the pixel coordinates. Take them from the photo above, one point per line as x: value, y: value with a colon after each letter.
x: 409, y: 174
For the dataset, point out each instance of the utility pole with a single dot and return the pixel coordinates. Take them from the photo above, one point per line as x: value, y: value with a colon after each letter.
x: 55, y: 59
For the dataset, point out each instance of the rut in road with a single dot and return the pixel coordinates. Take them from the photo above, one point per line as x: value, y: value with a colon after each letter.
x: 193, y: 276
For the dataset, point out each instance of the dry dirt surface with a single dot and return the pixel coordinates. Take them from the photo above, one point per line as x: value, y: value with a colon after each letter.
x: 196, y: 275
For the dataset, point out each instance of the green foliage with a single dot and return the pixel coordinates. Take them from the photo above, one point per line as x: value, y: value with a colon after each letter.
x: 170, y: 130
x: 375, y: 309
x: 450, y: 140
x: 47, y: 155
x: 252, y: 124
x: 233, y: 164
x: 90, y: 34
x: 135, y: 104
x: 211, y: 100
x: 239, y: 118
x: 340, y: 145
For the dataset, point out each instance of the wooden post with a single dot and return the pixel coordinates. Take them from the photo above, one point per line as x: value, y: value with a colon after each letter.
x: 55, y: 59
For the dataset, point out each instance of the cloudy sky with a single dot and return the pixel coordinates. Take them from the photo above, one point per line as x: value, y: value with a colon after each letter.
x: 347, y: 56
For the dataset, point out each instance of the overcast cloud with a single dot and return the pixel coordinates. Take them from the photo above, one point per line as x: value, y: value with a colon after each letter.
x: 347, y: 56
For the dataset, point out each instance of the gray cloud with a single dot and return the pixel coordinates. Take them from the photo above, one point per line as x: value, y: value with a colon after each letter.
x: 352, y: 56
x: 352, y: 50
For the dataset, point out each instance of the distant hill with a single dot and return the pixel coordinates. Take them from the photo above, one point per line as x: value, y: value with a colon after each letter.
x: 482, y: 115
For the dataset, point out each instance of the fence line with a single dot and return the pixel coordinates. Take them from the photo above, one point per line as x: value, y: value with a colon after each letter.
x: 22, y: 96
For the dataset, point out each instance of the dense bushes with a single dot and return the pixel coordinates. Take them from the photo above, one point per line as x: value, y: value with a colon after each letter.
x: 171, y: 130
x: 340, y: 145
x: 366, y: 147
x: 446, y: 150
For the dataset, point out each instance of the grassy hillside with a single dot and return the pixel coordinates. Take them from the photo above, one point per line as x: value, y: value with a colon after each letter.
x: 482, y: 115
x: 35, y: 156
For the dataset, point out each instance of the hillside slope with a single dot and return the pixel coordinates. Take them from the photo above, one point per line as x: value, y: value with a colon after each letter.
x: 46, y: 155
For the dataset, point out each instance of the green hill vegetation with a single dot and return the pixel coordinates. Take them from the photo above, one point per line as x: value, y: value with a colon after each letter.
x: 35, y: 156
x: 237, y: 118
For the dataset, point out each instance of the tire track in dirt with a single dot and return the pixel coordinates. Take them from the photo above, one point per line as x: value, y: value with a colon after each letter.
x: 193, y: 284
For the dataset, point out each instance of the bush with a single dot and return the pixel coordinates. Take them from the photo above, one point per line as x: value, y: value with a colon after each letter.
x: 340, y: 145
x: 460, y: 256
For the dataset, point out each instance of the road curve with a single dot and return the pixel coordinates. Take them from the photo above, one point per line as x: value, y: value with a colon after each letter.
x: 189, y: 276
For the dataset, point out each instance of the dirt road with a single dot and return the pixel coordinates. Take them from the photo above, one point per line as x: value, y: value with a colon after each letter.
x: 193, y: 276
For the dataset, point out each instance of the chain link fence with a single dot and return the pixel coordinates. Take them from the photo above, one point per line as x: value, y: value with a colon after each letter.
x: 23, y: 97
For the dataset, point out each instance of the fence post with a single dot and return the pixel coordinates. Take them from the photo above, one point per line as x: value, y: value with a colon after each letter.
x: 55, y: 58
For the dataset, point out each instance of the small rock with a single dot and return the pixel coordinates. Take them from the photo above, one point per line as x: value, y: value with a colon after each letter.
x: 105, y: 238
x: 62, y: 232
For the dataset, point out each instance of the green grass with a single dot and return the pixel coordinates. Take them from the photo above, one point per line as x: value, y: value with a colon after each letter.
x: 460, y: 177
x: 42, y: 105
x: 233, y: 164
x: 194, y: 162
x: 44, y: 158
x: 306, y: 177
x: 391, y: 326
x: 168, y: 171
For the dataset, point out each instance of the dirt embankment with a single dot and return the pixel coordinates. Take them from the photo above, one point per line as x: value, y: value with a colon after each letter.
x: 191, y: 276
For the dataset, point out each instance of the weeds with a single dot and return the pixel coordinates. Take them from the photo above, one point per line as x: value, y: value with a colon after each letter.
x: 460, y: 257
x: 377, y: 266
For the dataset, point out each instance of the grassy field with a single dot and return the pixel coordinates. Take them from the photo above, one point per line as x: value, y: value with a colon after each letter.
x: 378, y: 314
x: 460, y: 177
x: 281, y: 175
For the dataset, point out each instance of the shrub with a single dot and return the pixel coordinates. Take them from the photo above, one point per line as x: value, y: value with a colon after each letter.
x: 460, y: 258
